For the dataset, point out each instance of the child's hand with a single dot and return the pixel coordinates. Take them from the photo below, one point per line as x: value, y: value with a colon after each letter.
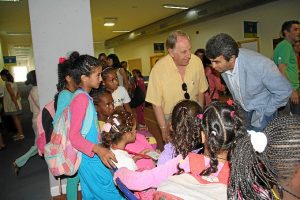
x: 145, y: 151
x: 107, y: 156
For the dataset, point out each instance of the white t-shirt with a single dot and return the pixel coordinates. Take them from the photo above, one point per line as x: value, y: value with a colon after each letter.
x: 124, y: 160
x: 120, y: 96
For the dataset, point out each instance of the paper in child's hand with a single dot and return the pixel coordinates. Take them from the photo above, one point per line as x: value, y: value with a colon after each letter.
x: 154, y: 155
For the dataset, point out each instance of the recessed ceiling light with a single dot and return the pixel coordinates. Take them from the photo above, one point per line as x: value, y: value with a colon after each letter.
x: 110, y: 21
x: 120, y: 31
x: 175, y: 6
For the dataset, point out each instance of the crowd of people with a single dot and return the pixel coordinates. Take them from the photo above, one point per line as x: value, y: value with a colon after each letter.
x: 236, y: 148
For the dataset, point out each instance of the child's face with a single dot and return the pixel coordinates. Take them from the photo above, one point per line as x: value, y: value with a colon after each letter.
x: 111, y: 82
x: 93, y: 81
x: 105, y: 106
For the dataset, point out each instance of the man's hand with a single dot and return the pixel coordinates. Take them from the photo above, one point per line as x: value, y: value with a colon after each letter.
x: 107, y: 156
x: 165, y: 133
x: 295, y: 97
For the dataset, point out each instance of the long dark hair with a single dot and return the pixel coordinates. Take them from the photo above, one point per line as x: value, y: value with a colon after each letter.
x: 116, y: 62
x: 7, y: 75
x: 186, y: 126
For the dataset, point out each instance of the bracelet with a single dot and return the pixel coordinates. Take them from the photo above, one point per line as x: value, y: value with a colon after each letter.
x: 162, y: 127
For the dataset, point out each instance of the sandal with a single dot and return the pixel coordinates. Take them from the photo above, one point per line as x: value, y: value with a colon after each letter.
x: 16, y: 168
x: 19, y: 137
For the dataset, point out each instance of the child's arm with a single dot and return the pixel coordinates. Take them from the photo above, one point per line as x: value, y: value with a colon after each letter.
x: 78, y: 109
x: 149, y: 178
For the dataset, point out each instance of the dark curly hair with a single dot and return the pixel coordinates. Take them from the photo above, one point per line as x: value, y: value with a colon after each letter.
x: 185, y: 136
x: 121, y: 122
x: 222, y: 124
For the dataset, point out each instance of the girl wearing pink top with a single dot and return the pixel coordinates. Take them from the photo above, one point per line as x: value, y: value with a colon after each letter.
x: 95, y: 179
x: 120, y: 131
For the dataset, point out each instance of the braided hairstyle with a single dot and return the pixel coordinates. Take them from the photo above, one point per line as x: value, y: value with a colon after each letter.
x: 185, y: 136
x: 270, y: 168
x: 83, y: 65
x: 64, y: 70
x: 121, y: 123
x: 222, y: 123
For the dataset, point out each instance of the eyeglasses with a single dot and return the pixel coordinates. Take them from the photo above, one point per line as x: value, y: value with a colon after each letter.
x: 184, y: 88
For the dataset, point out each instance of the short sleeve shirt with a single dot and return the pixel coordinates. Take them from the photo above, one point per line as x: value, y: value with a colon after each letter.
x: 120, y: 96
x: 284, y: 54
x: 124, y: 160
x: 165, y: 83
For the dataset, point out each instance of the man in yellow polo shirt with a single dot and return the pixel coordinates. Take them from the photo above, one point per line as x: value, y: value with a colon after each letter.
x: 175, y: 77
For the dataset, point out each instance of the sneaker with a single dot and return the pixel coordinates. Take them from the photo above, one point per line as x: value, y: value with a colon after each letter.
x: 19, y: 137
x: 16, y: 168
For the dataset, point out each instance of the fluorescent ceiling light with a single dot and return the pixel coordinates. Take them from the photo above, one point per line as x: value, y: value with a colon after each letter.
x: 17, y: 33
x: 120, y: 31
x: 110, y: 21
x: 10, y: 0
x: 175, y: 6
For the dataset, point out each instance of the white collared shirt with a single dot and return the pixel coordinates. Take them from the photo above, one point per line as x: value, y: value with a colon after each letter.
x: 234, y: 81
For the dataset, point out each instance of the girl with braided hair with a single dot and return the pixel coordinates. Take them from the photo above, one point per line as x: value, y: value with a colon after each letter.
x: 119, y: 131
x: 185, y: 134
x: 274, y: 163
x: 66, y: 86
x: 207, y: 174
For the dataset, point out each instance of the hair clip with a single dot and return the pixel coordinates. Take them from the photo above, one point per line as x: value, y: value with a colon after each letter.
x: 214, y: 133
x: 229, y: 102
x: 232, y: 114
x: 116, y: 121
x: 200, y: 116
x: 259, y: 141
x: 61, y: 60
x: 107, y: 127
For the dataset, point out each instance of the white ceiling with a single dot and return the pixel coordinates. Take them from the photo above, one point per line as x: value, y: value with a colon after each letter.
x: 130, y: 14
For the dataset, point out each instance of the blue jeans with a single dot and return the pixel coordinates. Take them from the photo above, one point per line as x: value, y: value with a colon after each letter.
x: 265, y: 121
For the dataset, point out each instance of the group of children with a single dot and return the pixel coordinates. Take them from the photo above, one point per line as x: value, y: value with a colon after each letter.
x: 230, y: 154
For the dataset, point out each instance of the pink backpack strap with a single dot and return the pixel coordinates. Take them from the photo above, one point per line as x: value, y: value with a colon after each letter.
x: 41, y: 135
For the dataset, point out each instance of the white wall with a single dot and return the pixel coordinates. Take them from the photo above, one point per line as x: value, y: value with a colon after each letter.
x: 57, y: 27
x: 269, y: 17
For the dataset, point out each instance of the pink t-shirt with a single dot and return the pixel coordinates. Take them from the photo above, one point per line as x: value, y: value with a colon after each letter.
x: 78, y: 109
x: 140, y: 144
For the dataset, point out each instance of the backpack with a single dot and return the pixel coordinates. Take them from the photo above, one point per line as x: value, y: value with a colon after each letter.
x: 61, y: 157
x: 44, y: 126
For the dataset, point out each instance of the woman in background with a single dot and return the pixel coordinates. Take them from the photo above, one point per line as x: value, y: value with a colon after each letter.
x: 12, y: 102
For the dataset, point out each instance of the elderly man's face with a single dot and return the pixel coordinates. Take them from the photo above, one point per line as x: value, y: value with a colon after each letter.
x: 181, y: 53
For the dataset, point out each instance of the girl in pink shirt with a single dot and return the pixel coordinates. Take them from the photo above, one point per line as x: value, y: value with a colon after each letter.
x: 120, y: 131
x: 95, y: 179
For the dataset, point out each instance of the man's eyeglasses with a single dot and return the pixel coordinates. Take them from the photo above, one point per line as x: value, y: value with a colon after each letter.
x: 184, y: 88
